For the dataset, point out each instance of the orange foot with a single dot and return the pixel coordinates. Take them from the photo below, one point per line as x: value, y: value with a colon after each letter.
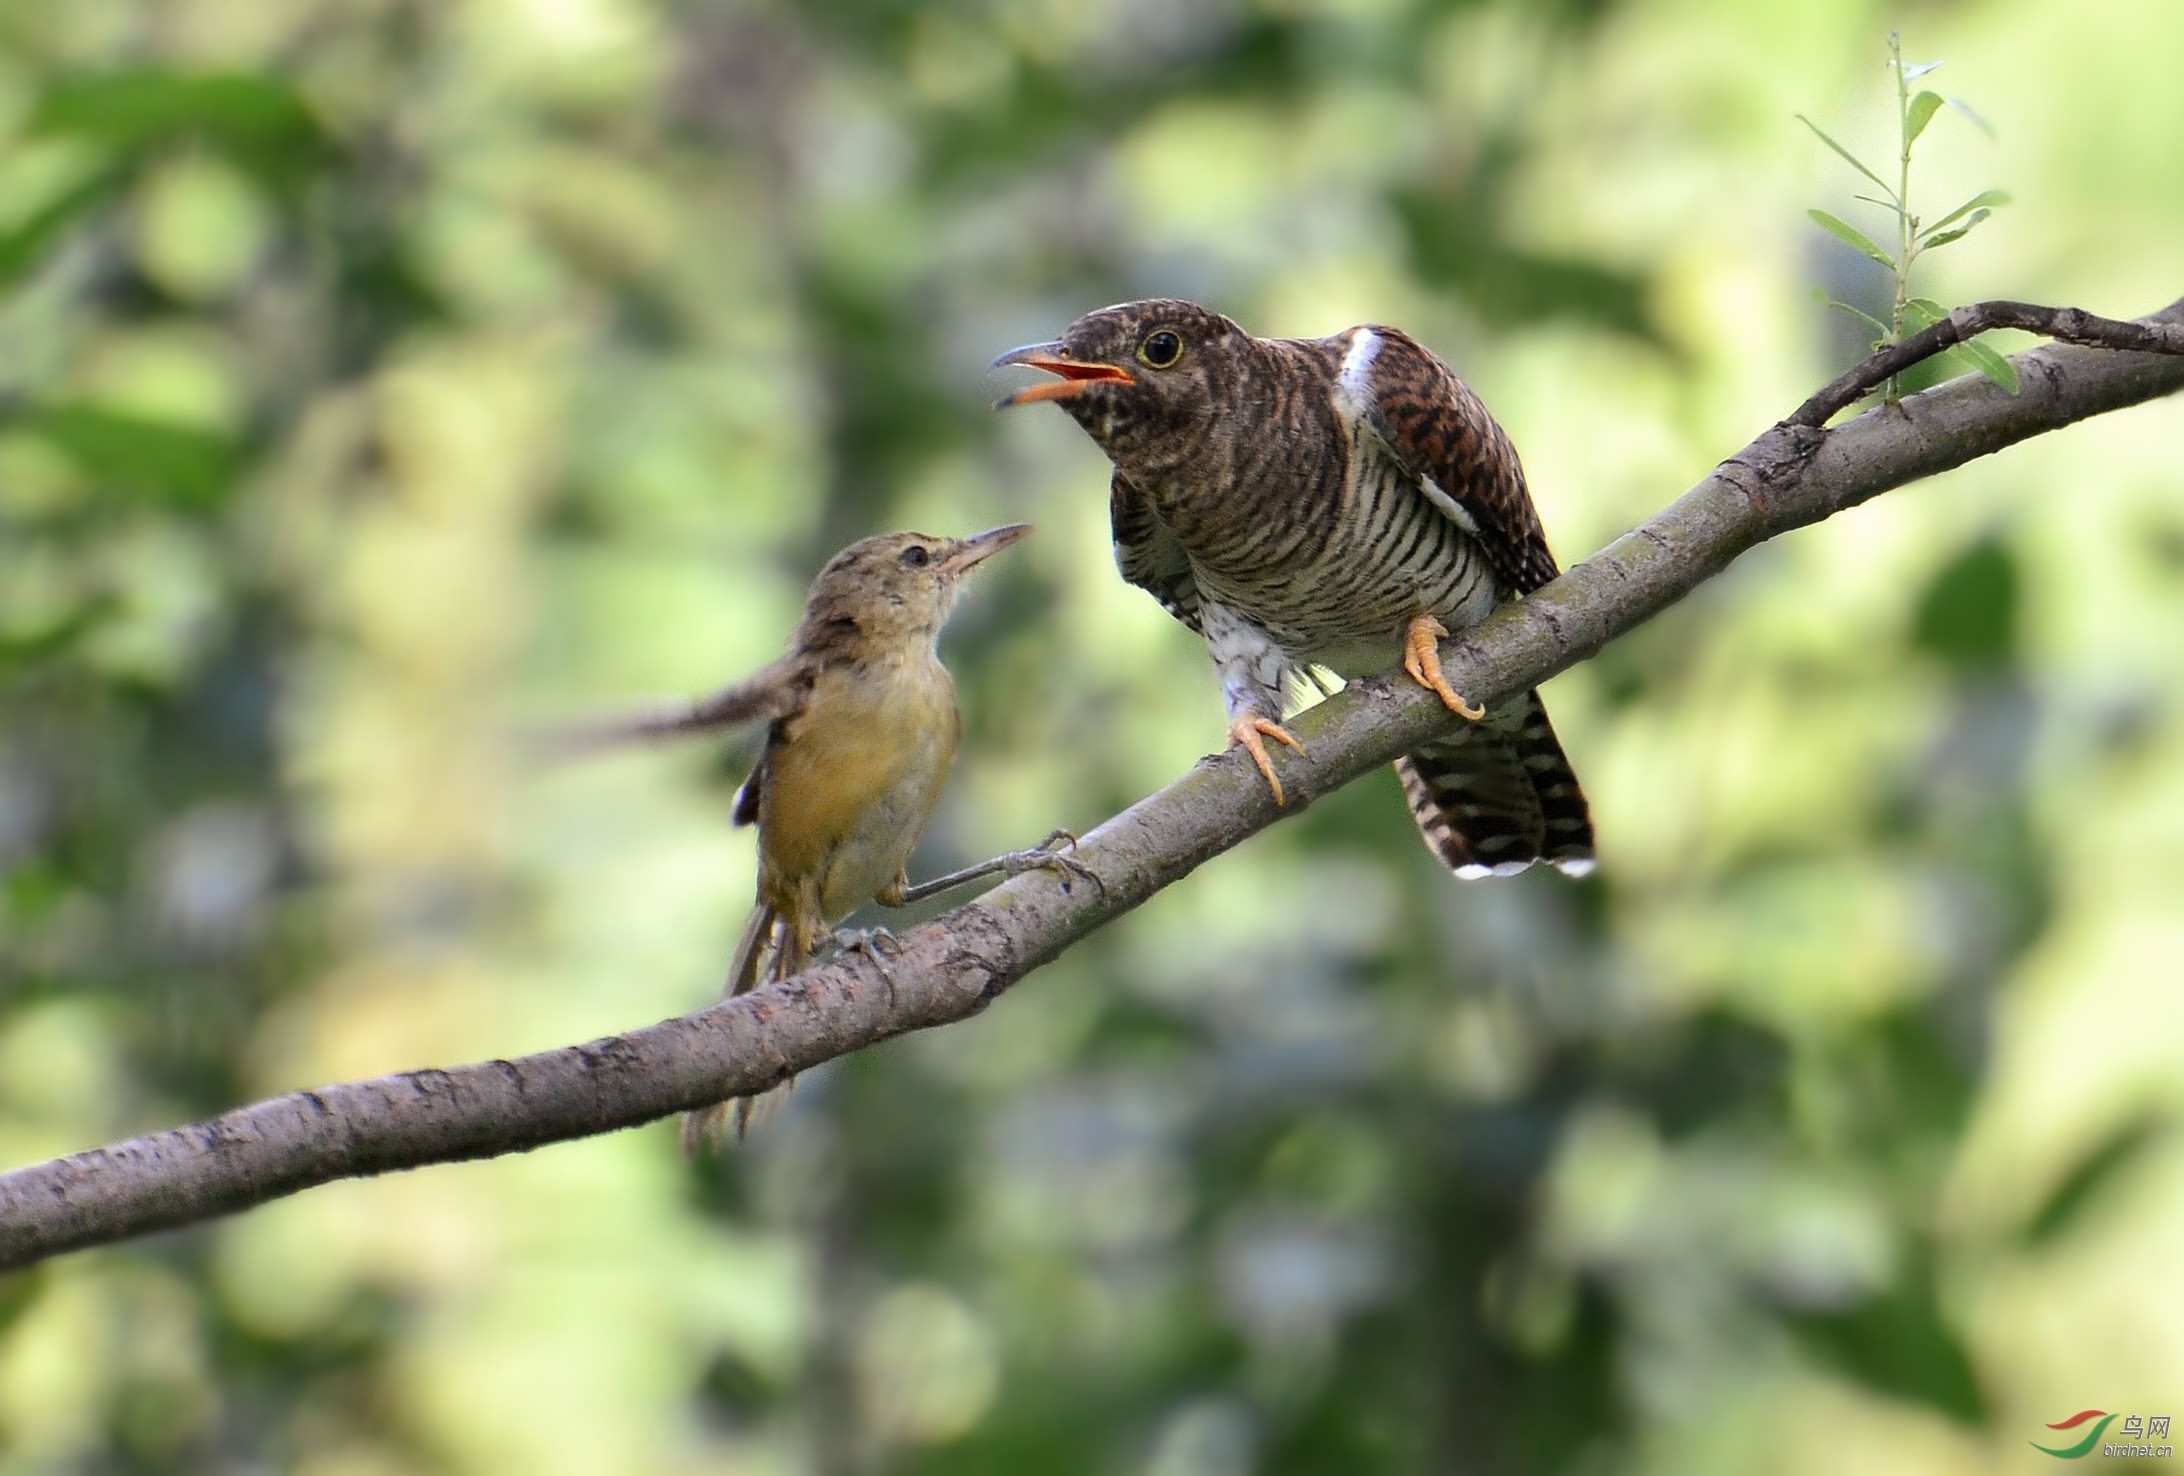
x: 1244, y: 731
x: 1422, y: 659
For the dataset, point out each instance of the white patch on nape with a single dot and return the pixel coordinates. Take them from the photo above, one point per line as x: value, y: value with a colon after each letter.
x: 1357, y: 367
x: 1457, y: 512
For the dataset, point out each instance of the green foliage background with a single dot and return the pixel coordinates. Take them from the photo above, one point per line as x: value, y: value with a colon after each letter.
x: 377, y: 373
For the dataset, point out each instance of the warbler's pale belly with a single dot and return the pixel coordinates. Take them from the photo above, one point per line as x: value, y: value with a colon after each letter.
x: 849, y: 794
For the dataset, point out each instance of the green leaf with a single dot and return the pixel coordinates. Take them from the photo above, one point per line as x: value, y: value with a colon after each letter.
x: 173, y: 463
x: 1887, y: 333
x: 1923, y: 312
x: 1991, y: 364
x: 1956, y: 235
x: 1843, y: 230
x: 1889, y: 205
x: 1923, y: 108
x: 1980, y: 201
x: 1848, y: 157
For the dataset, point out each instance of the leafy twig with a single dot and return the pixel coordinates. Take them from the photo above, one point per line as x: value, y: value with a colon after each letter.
x: 1914, y: 111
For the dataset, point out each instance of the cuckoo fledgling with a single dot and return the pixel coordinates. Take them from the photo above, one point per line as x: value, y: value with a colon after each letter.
x: 863, y: 727
x: 1332, y: 502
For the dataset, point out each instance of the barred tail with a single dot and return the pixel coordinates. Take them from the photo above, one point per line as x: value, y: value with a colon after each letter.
x: 1498, y: 795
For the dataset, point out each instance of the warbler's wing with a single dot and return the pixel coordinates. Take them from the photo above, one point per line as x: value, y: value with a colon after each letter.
x: 774, y: 693
x: 1151, y: 557
x: 1441, y: 434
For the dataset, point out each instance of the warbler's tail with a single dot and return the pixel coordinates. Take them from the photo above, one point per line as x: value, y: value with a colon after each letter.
x: 707, y: 1128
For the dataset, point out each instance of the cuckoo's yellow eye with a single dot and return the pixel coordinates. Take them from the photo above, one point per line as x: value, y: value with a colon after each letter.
x: 1161, y: 349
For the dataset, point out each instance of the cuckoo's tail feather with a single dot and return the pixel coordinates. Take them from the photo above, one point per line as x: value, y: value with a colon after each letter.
x: 1498, y: 795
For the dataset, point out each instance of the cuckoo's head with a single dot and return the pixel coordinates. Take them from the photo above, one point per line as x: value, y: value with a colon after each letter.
x: 1139, y: 375
x: 897, y: 588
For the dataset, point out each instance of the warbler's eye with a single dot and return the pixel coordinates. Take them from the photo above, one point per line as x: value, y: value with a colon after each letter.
x: 1161, y: 349
x: 916, y: 556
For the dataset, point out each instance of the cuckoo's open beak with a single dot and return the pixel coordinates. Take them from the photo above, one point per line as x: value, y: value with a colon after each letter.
x: 1054, y: 359
x: 980, y: 547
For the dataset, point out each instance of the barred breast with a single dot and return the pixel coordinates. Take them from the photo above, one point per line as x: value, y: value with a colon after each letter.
x: 1334, y: 567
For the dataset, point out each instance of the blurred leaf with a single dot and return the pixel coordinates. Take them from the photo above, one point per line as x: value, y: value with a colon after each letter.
x: 1973, y: 115
x: 1721, y: 1065
x: 2083, y: 1185
x: 1923, y: 312
x: 1923, y: 108
x: 1508, y: 287
x: 1904, y: 1090
x: 1969, y: 614
x: 1897, y: 1344
x: 18, y: 1292
x: 1991, y: 364
x: 184, y: 465
x: 1851, y: 235
x: 1918, y: 70
x: 735, y: 1389
x: 1848, y: 156
x: 28, y: 648
x: 260, y: 123
x: 22, y: 248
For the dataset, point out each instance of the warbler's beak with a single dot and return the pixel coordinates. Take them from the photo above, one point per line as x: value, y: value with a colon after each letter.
x: 973, y: 551
x: 1054, y: 358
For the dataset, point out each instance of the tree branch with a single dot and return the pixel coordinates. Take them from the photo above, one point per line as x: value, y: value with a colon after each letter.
x: 1794, y: 474
x: 2071, y: 325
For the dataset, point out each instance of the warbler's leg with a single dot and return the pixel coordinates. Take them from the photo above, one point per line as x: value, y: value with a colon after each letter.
x: 874, y: 943
x: 1422, y: 659
x: 1048, y: 855
x: 804, y: 931
x: 877, y: 944
x: 1244, y: 732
